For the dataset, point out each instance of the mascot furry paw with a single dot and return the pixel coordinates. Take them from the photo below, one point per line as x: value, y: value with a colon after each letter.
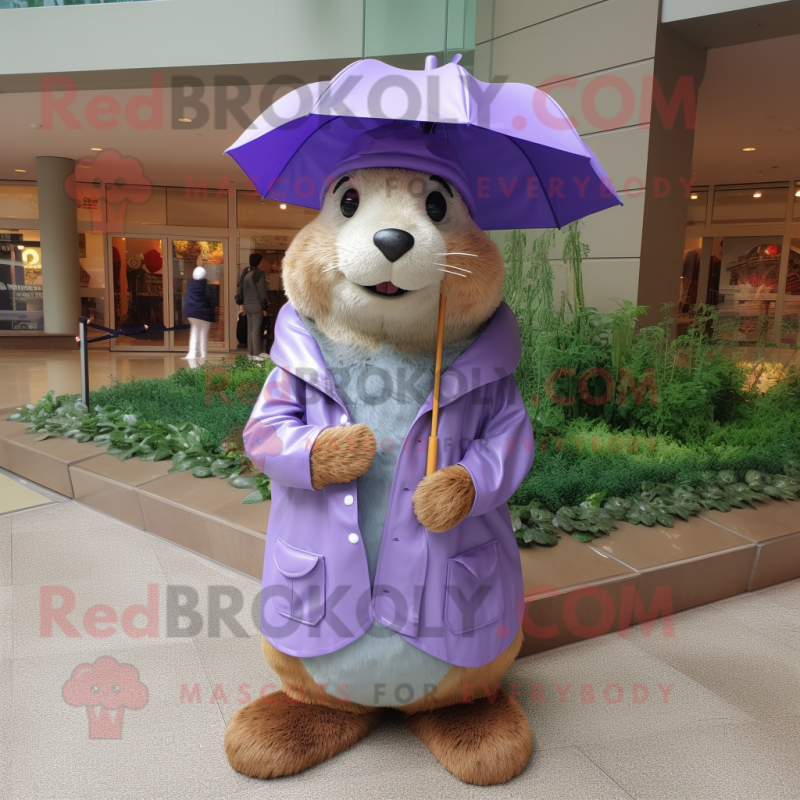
x: 391, y: 578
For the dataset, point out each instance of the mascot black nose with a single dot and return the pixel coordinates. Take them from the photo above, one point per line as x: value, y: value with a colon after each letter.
x: 393, y: 242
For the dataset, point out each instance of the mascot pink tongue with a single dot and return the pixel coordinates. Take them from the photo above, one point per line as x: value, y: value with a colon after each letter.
x: 392, y: 577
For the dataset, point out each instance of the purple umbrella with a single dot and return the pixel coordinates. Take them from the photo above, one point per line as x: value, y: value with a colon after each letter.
x: 509, y: 148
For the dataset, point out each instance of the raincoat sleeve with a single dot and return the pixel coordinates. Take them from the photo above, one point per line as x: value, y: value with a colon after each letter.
x: 500, y: 459
x: 277, y: 437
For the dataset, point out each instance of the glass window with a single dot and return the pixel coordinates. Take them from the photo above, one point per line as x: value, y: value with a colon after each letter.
x: 796, y: 214
x: 748, y: 286
x: 690, y: 274
x: 714, y: 272
x: 138, y: 287
x: 750, y: 203
x: 135, y: 205
x: 413, y: 26
x: 19, y: 201
x: 791, y: 301
x: 90, y: 208
x: 93, y: 266
x: 200, y: 208
x: 461, y: 16
x: 21, y: 306
x: 698, y: 202
x: 94, y: 309
x: 254, y: 212
x: 689, y: 278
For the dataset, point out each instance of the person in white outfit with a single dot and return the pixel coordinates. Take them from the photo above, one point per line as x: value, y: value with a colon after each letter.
x: 200, y: 313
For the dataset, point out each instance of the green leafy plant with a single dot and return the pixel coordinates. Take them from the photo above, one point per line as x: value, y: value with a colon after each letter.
x: 125, y: 435
x: 533, y: 525
x: 655, y: 424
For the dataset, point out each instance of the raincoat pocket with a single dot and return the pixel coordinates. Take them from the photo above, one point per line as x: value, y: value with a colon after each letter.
x: 474, y: 596
x: 301, y: 595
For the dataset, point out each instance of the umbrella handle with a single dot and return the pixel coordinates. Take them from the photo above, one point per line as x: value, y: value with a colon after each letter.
x: 433, y: 441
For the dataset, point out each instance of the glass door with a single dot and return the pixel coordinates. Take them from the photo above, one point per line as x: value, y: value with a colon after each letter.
x: 149, y: 278
x: 139, y: 285
x: 186, y: 256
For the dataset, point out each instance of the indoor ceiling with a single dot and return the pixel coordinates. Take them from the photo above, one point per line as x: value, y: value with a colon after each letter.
x: 172, y: 153
x: 748, y: 95
x: 168, y: 155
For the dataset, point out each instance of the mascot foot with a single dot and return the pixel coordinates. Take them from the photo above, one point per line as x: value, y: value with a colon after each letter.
x: 275, y: 736
x: 480, y: 742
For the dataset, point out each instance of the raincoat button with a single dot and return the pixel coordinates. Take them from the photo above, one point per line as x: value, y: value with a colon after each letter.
x: 348, y: 501
x: 353, y: 538
x: 343, y: 420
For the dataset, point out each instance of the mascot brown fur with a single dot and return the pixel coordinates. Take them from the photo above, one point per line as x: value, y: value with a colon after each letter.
x: 483, y: 741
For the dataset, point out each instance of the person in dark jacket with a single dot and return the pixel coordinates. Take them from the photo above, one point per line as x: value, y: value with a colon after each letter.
x: 253, y: 296
x: 200, y: 313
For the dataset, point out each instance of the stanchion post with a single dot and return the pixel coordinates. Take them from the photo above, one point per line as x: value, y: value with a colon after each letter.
x: 84, y: 353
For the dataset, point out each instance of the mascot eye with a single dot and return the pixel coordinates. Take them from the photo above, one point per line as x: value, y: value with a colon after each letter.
x: 349, y: 203
x: 436, y: 206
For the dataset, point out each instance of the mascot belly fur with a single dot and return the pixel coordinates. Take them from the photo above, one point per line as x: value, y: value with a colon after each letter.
x: 343, y: 416
x: 380, y: 666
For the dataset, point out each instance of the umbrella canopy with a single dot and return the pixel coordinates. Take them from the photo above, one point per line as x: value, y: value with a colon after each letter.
x: 509, y: 148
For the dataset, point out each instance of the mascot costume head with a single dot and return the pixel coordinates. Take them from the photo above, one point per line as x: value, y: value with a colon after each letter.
x: 392, y: 577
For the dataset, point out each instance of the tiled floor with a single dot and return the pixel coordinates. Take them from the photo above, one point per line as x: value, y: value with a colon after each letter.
x: 28, y: 375
x: 709, y: 712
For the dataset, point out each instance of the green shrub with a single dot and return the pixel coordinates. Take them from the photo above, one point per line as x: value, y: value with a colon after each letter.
x: 616, y: 409
x: 197, y: 394
x: 194, y: 417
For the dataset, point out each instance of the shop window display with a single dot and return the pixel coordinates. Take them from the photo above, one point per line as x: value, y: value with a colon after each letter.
x: 791, y: 300
x: 93, y: 276
x: 689, y: 279
x: 21, y: 307
x: 714, y: 271
x: 138, y: 287
x: 748, y: 284
x: 796, y: 207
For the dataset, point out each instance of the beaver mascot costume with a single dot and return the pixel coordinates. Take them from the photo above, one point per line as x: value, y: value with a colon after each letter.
x: 392, y: 583
x: 383, y: 587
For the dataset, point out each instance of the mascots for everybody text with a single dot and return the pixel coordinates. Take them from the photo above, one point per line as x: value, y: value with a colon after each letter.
x: 392, y: 428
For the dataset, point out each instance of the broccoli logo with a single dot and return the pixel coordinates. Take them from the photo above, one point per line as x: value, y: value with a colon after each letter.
x: 125, y: 183
x: 106, y: 688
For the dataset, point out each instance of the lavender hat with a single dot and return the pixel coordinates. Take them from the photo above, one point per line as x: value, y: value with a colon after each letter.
x: 403, y: 145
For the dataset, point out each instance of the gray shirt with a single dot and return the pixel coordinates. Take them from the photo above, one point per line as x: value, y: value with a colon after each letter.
x: 254, y: 291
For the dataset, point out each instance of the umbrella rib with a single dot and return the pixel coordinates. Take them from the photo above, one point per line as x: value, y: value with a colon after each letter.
x: 538, y: 178
x: 298, y: 149
x: 330, y: 83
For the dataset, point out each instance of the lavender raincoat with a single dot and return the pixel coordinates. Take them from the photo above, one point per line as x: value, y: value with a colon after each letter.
x: 456, y: 595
